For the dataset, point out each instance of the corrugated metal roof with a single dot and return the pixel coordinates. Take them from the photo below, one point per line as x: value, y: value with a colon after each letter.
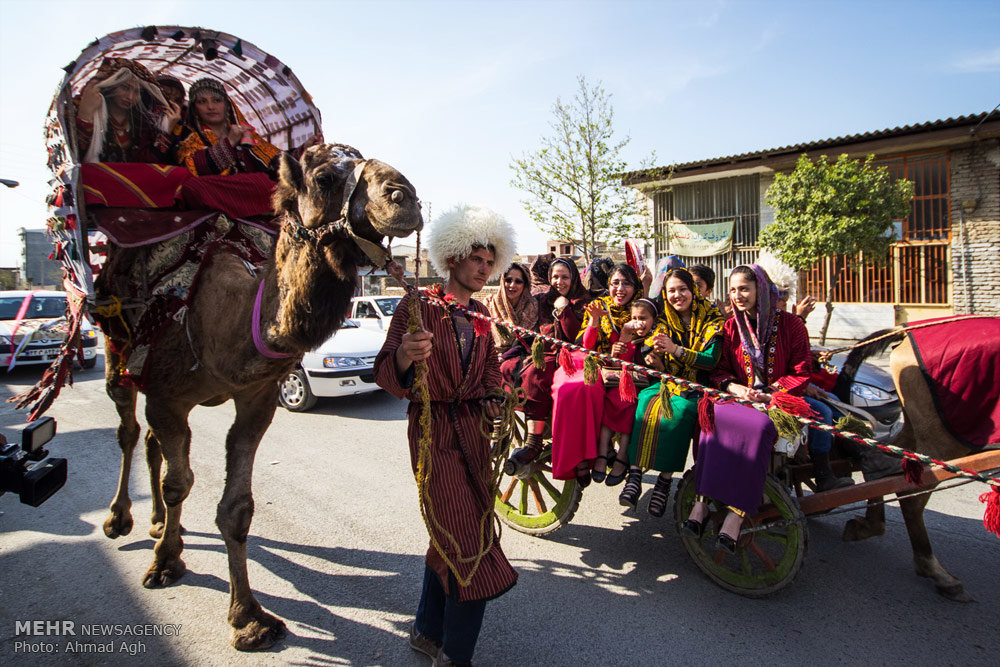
x: 659, y: 173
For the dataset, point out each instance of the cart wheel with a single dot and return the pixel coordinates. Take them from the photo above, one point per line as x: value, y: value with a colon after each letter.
x: 537, y: 504
x: 765, y: 561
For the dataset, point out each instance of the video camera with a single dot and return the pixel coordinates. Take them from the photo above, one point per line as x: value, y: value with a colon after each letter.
x: 25, y: 471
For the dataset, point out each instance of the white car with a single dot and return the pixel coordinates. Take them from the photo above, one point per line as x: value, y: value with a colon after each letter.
x: 42, y: 328
x: 374, y: 312
x: 341, y: 366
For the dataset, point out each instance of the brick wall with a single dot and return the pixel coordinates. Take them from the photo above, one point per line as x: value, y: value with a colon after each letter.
x: 975, y: 180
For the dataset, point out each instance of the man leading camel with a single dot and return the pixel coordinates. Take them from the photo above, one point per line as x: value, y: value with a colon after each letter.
x: 465, y: 565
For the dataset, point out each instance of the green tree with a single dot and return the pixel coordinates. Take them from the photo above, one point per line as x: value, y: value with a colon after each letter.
x: 822, y: 210
x: 573, y: 181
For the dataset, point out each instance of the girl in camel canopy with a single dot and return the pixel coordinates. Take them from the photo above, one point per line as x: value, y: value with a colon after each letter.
x: 122, y: 115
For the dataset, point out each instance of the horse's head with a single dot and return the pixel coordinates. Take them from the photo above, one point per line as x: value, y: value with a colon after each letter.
x: 333, y: 190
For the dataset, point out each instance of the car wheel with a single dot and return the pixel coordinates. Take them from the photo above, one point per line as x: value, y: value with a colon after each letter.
x: 87, y: 364
x: 294, y: 393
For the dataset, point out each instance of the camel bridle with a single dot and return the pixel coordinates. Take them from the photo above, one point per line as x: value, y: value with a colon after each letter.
x: 325, y: 233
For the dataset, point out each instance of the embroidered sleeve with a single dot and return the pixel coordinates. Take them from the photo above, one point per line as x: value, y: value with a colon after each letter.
x: 798, y: 368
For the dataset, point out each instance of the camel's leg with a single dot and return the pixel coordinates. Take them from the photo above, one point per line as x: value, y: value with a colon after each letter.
x: 124, y: 396
x: 169, y: 426
x: 253, y: 628
x: 870, y: 525
x: 924, y: 561
x: 154, y: 459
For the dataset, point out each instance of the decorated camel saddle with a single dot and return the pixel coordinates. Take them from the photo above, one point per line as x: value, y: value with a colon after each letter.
x: 960, y: 359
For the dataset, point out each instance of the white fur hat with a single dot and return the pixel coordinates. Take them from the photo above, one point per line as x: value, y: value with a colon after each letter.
x: 783, y: 276
x: 455, y: 233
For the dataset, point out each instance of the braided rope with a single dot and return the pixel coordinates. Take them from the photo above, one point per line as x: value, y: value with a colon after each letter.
x: 724, y: 396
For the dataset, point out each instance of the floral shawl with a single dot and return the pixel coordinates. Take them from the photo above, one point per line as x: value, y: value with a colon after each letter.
x: 524, y: 314
x: 706, y: 325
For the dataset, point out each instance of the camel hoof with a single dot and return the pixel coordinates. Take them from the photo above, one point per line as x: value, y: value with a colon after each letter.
x: 955, y: 593
x: 859, y: 528
x: 158, y: 576
x: 259, y: 634
x: 118, y: 525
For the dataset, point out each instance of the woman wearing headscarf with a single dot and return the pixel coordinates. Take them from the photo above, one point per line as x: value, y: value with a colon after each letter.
x: 220, y: 139
x: 687, y: 345
x: 513, y: 303
x: 540, y: 273
x: 764, y: 350
x: 578, y: 408
x: 122, y: 115
x: 560, y: 313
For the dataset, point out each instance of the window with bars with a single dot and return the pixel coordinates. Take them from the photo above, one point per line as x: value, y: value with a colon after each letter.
x: 721, y: 200
x: 918, y: 268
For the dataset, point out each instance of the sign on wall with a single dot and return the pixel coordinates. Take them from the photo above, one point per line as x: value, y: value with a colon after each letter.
x: 700, y: 240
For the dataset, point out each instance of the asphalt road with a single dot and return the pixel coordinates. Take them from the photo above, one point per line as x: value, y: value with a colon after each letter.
x: 336, y: 551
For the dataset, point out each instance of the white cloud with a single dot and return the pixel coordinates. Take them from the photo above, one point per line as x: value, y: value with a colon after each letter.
x: 983, y: 61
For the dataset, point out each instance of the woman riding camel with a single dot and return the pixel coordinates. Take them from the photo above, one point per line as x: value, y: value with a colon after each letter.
x: 686, y: 345
x: 122, y: 115
x: 764, y: 350
x: 220, y: 140
x: 560, y: 313
x: 513, y: 303
x: 578, y: 408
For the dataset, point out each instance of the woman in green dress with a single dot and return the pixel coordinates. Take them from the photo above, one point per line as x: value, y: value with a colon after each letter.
x: 686, y: 345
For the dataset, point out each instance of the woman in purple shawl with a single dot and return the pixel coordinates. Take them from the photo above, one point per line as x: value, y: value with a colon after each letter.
x: 764, y: 350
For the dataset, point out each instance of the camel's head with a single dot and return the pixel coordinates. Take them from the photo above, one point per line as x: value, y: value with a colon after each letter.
x: 332, y: 179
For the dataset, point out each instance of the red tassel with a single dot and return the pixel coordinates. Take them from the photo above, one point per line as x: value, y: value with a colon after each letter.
x: 793, y: 405
x: 626, y: 388
x: 706, y: 414
x: 991, y: 518
x: 566, y: 360
x: 913, y: 471
x: 481, y: 327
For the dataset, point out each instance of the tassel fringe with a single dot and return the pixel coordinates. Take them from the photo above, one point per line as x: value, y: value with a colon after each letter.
x: 792, y: 405
x: 991, y: 518
x: 481, y: 327
x: 566, y: 361
x: 538, y: 354
x: 855, y: 424
x: 913, y: 471
x: 626, y: 388
x: 591, y: 370
x: 706, y: 414
x: 787, y: 425
x: 503, y: 331
x: 665, y: 407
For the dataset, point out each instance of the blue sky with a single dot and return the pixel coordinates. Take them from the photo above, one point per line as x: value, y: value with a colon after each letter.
x: 448, y: 91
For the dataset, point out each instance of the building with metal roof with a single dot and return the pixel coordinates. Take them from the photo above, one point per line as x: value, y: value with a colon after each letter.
x: 947, y: 258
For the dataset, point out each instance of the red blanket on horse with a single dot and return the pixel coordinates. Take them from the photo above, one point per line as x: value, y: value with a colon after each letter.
x: 961, y: 362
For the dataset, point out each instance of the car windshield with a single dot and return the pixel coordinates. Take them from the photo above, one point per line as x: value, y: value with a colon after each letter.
x: 388, y: 306
x: 39, y: 306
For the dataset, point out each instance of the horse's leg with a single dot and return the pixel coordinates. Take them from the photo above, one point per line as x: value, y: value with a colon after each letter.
x: 871, y: 524
x: 169, y: 426
x: 253, y: 628
x: 124, y: 396
x: 924, y: 561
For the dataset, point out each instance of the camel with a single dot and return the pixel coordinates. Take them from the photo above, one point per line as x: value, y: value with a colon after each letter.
x: 923, y: 432
x: 307, y: 288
